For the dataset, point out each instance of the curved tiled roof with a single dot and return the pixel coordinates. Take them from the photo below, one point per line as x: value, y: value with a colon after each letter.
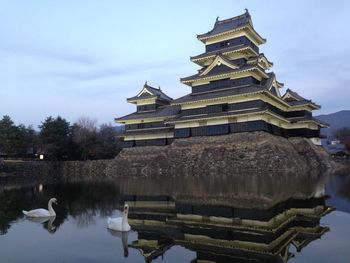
x: 160, y: 112
x: 222, y: 51
x: 297, y: 99
x: 226, y: 70
x: 155, y: 93
x: 219, y: 93
x: 228, y: 24
x: 148, y: 131
x: 216, y: 115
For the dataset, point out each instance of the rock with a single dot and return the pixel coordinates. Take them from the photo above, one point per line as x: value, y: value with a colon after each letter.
x: 257, y: 153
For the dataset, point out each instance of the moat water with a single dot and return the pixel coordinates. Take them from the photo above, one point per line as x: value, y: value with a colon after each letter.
x: 189, y: 221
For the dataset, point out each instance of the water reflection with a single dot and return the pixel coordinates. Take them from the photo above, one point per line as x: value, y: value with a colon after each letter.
x: 124, y: 240
x: 250, y: 218
x: 81, y: 201
x: 47, y: 222
x: 226, y: 234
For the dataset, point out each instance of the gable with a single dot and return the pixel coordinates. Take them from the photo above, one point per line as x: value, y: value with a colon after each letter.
x: 289, y: 97
x: 292, y: 96
x: 264, y: 63
x: 218, y: 62
x: 275, y: 91
x: 145, y: 92
x: 219, y: 69
x: 275, y: 86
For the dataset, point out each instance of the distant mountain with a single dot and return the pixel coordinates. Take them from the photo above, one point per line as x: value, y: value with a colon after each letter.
x: 336, y: 121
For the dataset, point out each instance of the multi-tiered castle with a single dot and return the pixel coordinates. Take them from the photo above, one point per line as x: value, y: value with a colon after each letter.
x: 232, y: 92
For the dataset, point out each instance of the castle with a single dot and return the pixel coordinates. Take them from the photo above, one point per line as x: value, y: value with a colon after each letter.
x: 233, y: 92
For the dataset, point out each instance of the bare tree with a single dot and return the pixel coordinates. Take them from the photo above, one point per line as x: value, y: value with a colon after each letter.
x: 87, y: 123
x: 84, y: 134
x: 343, y: 134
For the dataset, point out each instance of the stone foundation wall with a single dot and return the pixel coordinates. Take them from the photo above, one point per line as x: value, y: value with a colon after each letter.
x: 255, y: 154
x: 243, y: 153
x: 54, y: 171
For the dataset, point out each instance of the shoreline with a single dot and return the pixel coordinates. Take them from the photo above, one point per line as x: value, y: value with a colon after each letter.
x: 256, y: 154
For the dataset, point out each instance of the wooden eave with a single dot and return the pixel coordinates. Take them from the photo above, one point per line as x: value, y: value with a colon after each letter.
x: 150, y: 129
x: 219, y: 98
x: 266, y: 64
x: 311, y: 105
x: 258, y: 39
x: 263, y: 92
x: 135, y: 100
x: 244, y: 50
x: 159, y: 130
x: 156, y: 118
x: 233, y: 114
x: 280, y: 100
x: 322, y: 125
x: 223, y: 75
x: 214, y: 117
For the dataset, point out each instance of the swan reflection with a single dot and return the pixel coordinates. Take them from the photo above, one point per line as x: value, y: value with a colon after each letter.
x: 47, y: 222
x: 124, y: 238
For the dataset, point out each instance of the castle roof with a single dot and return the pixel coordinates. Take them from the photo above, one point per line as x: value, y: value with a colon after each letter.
x: 238, y: 48
x: 218, y: 94
x: 228, y: 24
x: 164, y: 111
x: 214, y: 115
x: 231, y: 24
x: 292, y: 95
x: 224, y: 70
x: 150, y: 92
x: 293, y: 98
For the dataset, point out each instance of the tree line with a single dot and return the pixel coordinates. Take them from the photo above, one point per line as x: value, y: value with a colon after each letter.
x: 343, y: 135
x: 57, y: 139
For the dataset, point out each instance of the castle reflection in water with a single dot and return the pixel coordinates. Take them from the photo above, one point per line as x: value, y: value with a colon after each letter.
x: 221, y: 219
x: 226, y: 231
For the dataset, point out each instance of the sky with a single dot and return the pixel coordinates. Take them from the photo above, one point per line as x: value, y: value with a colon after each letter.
x: 77, y: 58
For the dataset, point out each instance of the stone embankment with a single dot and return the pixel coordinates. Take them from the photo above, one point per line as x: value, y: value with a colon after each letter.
x: 53, y: 171
x: 257, y: 153
x: 244, y: 153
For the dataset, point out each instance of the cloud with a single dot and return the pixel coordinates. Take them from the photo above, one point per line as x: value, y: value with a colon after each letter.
x: 119, y: 70
x: 53, y: 53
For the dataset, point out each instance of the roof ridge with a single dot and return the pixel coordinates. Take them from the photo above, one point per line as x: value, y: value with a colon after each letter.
x: 223, y: 50
x: 148, y: 86
x: 227, y: 20
x: 296, y: 94
x: 236, y: 22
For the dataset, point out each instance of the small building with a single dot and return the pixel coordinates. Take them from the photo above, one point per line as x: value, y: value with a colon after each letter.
x: 147, y: 126
x: 338, y: 150
x: 233, y: 91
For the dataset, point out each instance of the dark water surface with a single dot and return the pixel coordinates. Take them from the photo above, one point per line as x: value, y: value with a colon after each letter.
x: 181, y: 220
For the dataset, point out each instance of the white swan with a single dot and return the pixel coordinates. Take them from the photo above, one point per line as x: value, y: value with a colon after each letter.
x: 42, y: 212
x: 120, y: 223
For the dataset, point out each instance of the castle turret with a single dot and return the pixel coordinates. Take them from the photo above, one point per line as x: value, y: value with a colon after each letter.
x: 147, y: 125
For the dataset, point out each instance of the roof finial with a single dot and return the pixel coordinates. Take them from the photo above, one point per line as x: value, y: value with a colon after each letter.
x: 246, y: 10
x: 217, y: 20
x: 145, y: 83
x: 158, y: 87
